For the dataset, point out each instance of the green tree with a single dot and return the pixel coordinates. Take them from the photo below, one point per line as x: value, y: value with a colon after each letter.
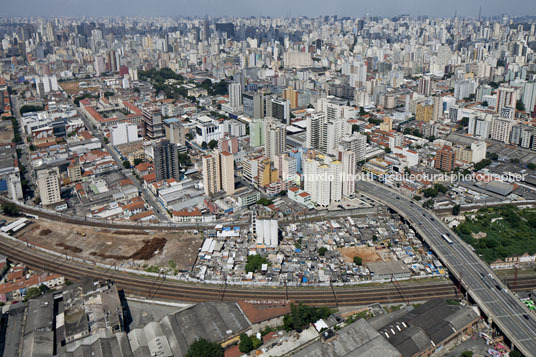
x: 531, y: 166
x: 465, y: 121
x: 137, y: 161
x: 204, y: 145
x: 485, y: 103
x: 428, y: 204
x: 520, y: 106
x: 212, y: 144
x: 322, y: 251
x: 515, y: 353
x: 255, y: 262
x: 358, y: 261
x: 493, y: 156
x: 481, y: 164
x: 126, y: 164
x: 245, y: 344
x: 264, y: 201
x: 256, y: 342
x: 10, y: 209
x: 456, y: 210
x: 30, y: 108
x: 514, y: 160
x: 204, y: 348
x: 467, y: 354
x: 302, y: 315
x: 355, y: 128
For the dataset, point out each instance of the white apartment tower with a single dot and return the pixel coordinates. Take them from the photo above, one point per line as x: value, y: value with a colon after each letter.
x: 275, y: 138
x: 48, y: 182
x: 348, y: 172
x: 235, y: 95
x: 501, y: 129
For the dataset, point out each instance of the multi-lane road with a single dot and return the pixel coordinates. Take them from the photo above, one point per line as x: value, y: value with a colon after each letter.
x: 495, y: 300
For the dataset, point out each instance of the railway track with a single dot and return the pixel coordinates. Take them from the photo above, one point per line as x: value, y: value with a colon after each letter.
x: 166, y: 289
x: 108, y: 225
x: 160, y: 288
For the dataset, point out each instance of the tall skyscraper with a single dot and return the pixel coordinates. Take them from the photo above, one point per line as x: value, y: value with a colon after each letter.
x: 506, y: 97
x: 227, y: 172
x: 425, y: 86
x: 100, y: 66
x: 348, y: 160
x: 218, y: 173
x: 211, y: 174
x: 235, y: 95
x: 256, y: 133
x: 166, y: 160
x: 280, y: 110
x: 275, y: 139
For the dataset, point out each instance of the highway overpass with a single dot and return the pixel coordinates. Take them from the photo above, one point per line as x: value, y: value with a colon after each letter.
x: 499, y: 304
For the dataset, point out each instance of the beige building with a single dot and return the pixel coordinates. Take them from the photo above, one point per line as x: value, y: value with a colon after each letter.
x: 218, y: 173
x: 48, y: 182
x: 211, y: 174
x: 227, y: 172
x: 501, y: 129
x: 387, y: 124
x: 74, y: 172
x: 275, y: 138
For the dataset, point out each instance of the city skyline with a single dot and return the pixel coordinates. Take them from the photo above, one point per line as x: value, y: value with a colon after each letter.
x: 277, y: 8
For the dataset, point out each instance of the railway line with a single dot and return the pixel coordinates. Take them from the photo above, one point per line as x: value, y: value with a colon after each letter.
x: 166, y: 289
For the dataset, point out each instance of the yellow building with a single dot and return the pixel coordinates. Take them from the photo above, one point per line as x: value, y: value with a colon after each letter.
x: 387, y: 124
x: 424, y: 112
x: 267, y: 174
x: 292, y: 96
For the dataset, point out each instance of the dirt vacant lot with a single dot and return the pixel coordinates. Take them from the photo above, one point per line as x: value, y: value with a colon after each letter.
x: 133, y: 249
x: 368, y: 254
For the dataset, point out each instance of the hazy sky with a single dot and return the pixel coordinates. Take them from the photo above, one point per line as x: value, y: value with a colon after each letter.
x: 353, y: 8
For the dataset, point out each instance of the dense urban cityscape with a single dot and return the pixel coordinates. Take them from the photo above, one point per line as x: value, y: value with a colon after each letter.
x: 244, y: 186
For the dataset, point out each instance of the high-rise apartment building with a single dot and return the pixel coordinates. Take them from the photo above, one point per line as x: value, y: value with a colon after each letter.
x: 166, y: 160
x: 218, y: 173
x: 256, y: 133
x: 500, y: 130
x: 235, y: 95
x: 424, y: 86
x: 152, y: 123
x: 48, y: 182
x: 275, y: 139
x: 174, y: 131
x: 506, y: 97
x: 444, y: 159
x: 253, y: 105
x: 322, y: 179
x: 355, y: 143
x: 348, y: 161
x: 280, y: 109
x: 424, y: 112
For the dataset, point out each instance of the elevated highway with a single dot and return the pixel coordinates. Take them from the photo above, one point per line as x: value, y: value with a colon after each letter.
x: 492, y: 296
